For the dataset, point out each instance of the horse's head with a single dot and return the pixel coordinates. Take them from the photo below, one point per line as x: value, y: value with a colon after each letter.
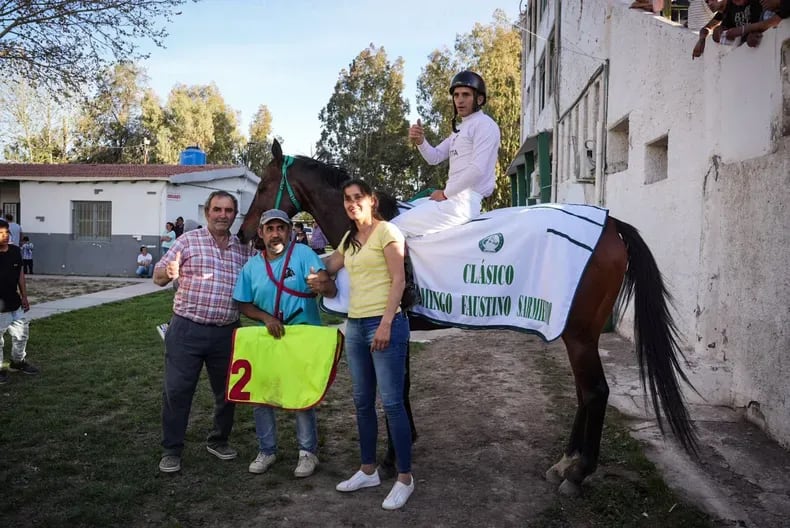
x: 295, y: 184
x: 266, y: 195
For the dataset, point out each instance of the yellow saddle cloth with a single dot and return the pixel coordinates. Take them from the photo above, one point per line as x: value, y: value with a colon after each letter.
x: 292, y: 373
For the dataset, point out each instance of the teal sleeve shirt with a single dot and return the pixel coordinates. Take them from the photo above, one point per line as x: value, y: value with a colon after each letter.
x: 254, y: 285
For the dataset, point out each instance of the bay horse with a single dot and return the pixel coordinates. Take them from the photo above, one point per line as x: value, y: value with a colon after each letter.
x: 621, y: 267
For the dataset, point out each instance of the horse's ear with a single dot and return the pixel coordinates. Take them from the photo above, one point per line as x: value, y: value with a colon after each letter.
x: 277, y: 152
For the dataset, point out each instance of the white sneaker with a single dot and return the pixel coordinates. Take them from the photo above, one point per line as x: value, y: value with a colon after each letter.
x: 162, y: 330
x: 359, y: 480
x: 398, y: 496
x: 261, y: 463
x: 306, y: 465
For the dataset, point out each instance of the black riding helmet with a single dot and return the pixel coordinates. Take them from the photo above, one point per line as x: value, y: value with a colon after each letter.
x: 471, y: 80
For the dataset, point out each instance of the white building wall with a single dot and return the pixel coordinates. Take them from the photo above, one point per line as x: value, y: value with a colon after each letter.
x: 717, y: 224
x: 135, y: 208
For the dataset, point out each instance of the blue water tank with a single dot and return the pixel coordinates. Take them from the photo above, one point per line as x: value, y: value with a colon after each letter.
x: 193, y: 156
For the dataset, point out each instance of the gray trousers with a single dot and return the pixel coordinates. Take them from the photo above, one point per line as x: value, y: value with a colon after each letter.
x: 188, y: 346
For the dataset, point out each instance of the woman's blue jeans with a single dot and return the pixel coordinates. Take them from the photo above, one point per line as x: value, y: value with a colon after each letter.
x: 266, y: 429
x: 387, y: 369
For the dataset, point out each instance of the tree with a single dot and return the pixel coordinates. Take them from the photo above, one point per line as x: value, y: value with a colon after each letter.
x: 435, y: 107
x: 109, y: 128
x: 493, y: 51
x: 34, y: 128
x: 61, y: 44
x: 194, y: 115
x: 364, y: 125
x: 258, y: 152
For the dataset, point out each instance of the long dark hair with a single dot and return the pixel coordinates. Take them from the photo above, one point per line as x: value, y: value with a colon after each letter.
x: 367, y: 190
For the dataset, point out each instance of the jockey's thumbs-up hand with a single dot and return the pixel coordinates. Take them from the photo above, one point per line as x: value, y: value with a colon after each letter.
x: 416, y: 133
x: 174, y: 267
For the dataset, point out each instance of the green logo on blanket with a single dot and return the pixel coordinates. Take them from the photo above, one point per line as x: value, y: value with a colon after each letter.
x: 491, y: 243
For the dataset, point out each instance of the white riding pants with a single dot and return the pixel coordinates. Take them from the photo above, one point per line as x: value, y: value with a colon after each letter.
x: 430, y: 216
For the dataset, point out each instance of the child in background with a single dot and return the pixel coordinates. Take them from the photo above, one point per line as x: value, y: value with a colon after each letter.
x: 27, y: 255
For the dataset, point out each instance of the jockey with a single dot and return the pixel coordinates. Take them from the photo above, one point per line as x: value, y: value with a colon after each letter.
x: 472, y: 148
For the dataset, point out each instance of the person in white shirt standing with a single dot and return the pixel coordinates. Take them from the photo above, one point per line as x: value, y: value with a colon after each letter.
x: 472, y: 149
x: 14, y: 229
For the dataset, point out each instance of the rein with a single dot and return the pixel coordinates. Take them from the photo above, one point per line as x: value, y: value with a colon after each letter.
x: 281, y: 287
x: 285, y: 184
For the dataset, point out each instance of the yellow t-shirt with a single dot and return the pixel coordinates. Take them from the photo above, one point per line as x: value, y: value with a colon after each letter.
x: 368, y: 275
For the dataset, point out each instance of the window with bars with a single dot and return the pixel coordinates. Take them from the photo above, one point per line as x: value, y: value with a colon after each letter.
x: 91, y: 220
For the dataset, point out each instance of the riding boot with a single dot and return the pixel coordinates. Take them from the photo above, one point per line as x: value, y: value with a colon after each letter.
x: 411, y: 293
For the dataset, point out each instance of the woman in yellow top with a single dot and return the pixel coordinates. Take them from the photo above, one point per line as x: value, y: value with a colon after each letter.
x: 377, y: 334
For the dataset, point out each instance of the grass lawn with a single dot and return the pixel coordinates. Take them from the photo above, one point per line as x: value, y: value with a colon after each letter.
x: 79, y: 443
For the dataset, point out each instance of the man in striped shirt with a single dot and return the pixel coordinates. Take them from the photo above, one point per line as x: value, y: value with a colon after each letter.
x: 206, y: 262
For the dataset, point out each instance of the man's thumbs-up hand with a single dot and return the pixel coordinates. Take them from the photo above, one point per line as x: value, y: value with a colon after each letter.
x: 174, y: 267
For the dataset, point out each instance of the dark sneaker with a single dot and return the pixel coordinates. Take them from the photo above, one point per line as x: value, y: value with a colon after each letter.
x: 22, y: 366
x: 3, y: 376
x: 222, y: 452
x: 170, y: 464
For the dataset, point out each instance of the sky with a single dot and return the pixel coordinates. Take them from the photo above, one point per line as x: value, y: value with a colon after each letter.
x: 287, y: 54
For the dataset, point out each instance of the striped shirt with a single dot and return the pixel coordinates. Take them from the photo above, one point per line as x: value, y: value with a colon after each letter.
x: 207, y: 276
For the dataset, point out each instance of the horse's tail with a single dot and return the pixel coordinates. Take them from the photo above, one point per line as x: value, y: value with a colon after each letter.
x: 655, y: 336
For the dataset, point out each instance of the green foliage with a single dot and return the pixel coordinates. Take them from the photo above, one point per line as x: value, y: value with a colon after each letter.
x: 258, y: 152
x: 61, y: 44
x: 36, y: 128
x: 364, y: 125
x: 196, y: 115
x: 108, y: 129
x: 493, y: 51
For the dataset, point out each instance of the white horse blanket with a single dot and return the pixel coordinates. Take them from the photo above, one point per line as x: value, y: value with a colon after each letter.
x: 515, y: 268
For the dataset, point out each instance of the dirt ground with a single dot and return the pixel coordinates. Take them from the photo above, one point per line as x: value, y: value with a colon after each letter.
x: 44, y: 289
x: 485, y: 440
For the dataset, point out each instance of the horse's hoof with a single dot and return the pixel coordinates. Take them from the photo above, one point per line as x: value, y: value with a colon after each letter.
x: 570, y: 489
x: 553, y: 475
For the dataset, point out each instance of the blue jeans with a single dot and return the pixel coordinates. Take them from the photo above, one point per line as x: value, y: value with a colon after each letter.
x: 387, y: 369
x: 266, y: 429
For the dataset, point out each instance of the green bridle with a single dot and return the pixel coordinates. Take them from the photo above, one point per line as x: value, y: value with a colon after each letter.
x: 285, y: 184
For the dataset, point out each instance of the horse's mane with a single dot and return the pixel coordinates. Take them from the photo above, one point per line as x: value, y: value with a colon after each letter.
x: 388, y: 206
x: 334, y: 175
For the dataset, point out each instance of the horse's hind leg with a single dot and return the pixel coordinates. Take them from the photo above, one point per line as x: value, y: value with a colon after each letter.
x: 592, y: 305
x: 593, y: 391
x: 556, y: 473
